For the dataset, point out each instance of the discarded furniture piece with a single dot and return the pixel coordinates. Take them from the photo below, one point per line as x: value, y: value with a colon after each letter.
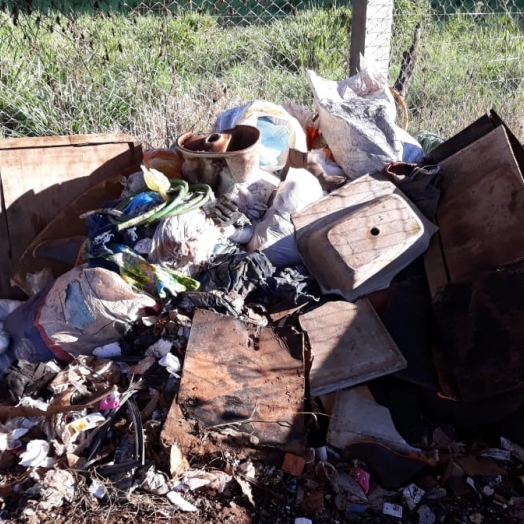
x: 42, y: 176
x: 409, y: 317
x: 236, y: 377
x: 474, y: 270
x: 349, y: 345
x: 357, y: 238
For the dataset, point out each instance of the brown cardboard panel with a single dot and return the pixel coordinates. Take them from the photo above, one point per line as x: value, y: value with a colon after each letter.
x: 41, y: 176
x: 235, y: 376
x: 349, y: 345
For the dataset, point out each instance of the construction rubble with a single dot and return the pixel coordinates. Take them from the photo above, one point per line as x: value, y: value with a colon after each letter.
x: 296, y: 317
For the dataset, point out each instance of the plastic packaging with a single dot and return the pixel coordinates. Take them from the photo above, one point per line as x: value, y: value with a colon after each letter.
x: 185, y: 242
x: 274, y: 235
x: 357, y: 119
x: 90, y: 421
x: 35, y: 454
x: 295, y: 193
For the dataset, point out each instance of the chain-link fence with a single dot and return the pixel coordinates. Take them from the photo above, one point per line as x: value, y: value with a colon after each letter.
x: 155, y: 69
x: 468, y: 59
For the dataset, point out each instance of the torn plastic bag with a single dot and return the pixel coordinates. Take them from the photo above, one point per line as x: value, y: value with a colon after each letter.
x: 278, y: 128
x: 186, y: 242
x: 153, y: 279
x: 357, y: 119
x: 298, y: 190
x: 6, y: 307
x: 85, y: 308
x: 275, y: 233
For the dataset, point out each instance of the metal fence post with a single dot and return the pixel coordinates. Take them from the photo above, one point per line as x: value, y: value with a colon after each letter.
x: 371, y: 28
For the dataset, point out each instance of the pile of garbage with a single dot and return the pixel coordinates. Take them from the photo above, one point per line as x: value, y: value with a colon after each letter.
x: 308, y: 315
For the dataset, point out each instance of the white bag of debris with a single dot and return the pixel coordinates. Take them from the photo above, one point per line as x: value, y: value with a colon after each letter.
x: 357, y: 119
x: 85, y: 308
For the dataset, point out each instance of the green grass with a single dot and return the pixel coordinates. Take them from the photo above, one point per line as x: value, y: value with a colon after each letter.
x: 154, y: 76
x: 155, y: 70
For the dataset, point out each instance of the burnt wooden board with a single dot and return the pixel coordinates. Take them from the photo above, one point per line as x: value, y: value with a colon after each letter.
x: 232, y: 374
x: 473, y: 269
x: 41, y: 176
x: 349, y: 345
x: 480, y: 354
x: 481, y: 211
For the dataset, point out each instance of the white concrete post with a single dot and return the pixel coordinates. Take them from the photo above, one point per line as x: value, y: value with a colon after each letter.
x: 371, y: 29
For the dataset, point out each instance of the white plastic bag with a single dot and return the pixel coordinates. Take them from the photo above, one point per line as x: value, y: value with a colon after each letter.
x: 298, y: 190
x: 357, y: 119
x: 274, y: 235
x: 185, y: 242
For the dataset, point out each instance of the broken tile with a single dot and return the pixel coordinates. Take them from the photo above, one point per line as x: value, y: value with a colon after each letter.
x: 349, y: 344
x: 293, y: 464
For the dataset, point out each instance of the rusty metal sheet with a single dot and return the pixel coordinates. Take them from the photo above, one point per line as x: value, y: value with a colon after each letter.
x: 349, y: 344
x: 235, y: 376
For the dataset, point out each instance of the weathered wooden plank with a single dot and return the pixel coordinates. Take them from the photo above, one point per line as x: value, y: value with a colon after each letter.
x: 349, y: 345
x: 234, y: 376
x: 67, y: 224
x: 41, y: 176
x: 63, y: 141
x: 475, y: 270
